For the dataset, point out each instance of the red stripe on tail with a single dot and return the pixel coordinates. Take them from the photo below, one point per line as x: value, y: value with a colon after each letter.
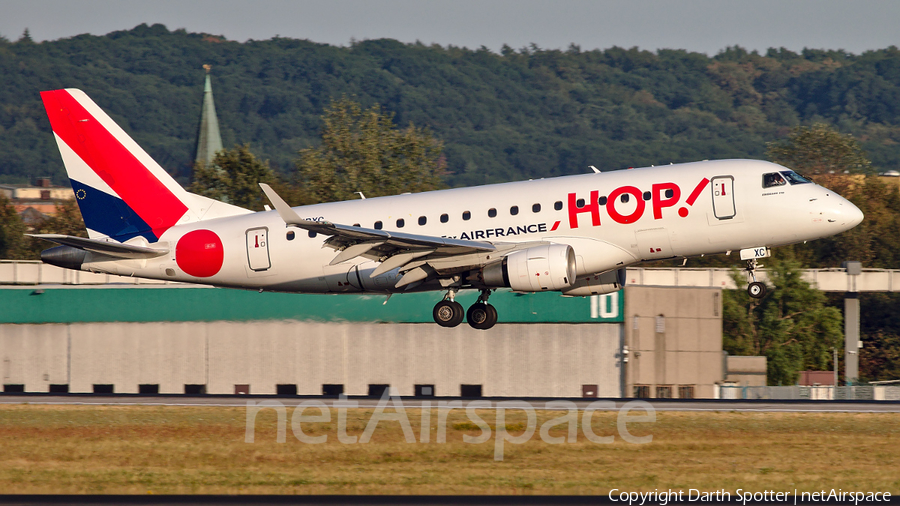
x: 109, y: 159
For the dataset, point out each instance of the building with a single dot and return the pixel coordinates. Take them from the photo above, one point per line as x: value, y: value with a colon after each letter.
x: 35, y: 202
x: 674, y: 342
x: 817, y: 378
x: 747, y: 371
x: 167, y: 339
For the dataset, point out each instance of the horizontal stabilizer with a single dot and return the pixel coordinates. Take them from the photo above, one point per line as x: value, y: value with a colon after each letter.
x: 112, y: 249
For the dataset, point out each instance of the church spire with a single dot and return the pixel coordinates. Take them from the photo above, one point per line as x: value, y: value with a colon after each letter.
x: 209, y: 140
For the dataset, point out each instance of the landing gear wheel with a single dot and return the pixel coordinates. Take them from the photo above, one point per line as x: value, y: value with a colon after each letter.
x: 481, y: 316
x: 494, y: 314
x: 757, y: 290
x: 448, y: 313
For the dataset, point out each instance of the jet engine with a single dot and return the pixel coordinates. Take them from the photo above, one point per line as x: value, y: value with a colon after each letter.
x: 547, y: 267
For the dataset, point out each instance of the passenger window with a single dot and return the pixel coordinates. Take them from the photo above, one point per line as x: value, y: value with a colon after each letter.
x: 444, y: 218
x: 579, y: 203
x: 514, y: 210
x: 422, y: 220
x: 536, y: 208
x: 670, y: 193
x: 773, y: 179
x: 646, y: 195
x: 378, y: 225
x: 290, y: 235
x: 311, y: 234
x: 625, y: 198
x: 557, y: 205
x: 492, y: 213
x: 400, y: 223
x: 466, y: 215
x: 602, y: 201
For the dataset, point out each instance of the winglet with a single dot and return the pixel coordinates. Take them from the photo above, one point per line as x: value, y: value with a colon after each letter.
x: 287, y: 214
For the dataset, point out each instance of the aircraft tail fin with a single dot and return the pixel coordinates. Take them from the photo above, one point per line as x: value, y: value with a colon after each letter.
x: 121, y: 191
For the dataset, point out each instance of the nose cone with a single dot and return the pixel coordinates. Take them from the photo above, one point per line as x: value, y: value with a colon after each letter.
x: 843, y: 214
x: 854, y: 215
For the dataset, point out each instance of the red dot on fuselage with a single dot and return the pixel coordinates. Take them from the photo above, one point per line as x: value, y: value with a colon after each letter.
x: 683, y: 212
x: 200, y: 253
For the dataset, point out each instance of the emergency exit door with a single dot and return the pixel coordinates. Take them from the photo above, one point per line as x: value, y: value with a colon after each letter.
x: 258, y: 249
x: 723, y: 197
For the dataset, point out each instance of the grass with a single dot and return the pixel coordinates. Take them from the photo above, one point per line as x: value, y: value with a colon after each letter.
x: 185, y: 450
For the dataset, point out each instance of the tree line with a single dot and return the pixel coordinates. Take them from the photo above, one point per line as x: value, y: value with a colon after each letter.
x: 518, y: 114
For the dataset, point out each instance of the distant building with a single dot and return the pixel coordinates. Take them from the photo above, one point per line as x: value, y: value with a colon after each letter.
x: 746, y: 371
x: 35, y: 202
x: 209, y: 139
x: 814, y: 378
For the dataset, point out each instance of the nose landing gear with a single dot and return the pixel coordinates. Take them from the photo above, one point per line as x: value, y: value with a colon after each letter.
x: 756, y: 289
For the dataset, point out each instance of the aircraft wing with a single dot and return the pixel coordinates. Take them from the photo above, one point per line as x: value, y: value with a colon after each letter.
x: 344, y: 236
x: 420, y: 256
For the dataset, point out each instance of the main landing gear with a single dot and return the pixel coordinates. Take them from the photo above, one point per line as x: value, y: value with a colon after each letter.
x: 449, y: 313
x: 756, y: 289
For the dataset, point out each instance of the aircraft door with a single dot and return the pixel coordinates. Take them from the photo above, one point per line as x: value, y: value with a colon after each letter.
x: 723, y: 197
x: 258, y: 249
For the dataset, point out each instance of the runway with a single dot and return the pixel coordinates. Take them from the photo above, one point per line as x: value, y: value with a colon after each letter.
x: 767, y: 406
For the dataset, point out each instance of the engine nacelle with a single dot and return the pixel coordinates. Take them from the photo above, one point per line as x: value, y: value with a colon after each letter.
x: 597, y: 284
x: 537, y: 269
x: 66, y: 257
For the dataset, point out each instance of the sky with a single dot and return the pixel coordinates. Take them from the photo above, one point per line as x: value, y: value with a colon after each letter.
x: 705, y: 26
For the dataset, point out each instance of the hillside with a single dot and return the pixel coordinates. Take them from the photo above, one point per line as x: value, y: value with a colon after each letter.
x: 520, y: 114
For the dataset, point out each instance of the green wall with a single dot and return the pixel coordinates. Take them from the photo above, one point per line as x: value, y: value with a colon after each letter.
x: 64, y: 305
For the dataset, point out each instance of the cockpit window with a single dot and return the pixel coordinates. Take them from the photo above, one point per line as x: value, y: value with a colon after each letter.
x: 794, y: 178
x: 773, y: 179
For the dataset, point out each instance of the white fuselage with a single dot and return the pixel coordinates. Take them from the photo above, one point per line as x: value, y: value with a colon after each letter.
x: 731, y: 211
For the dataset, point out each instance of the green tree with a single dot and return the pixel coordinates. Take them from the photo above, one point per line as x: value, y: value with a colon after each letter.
x: 234, y: 177
x: 13, y: 244
x: 819, y: 149
x: 792, y: 326
x: 362, y: 151
x: 876, y: 241
x: 66, y: 221
x: 879, y: 358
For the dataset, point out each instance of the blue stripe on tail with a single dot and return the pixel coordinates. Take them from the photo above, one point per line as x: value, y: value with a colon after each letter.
x: 109, y: 215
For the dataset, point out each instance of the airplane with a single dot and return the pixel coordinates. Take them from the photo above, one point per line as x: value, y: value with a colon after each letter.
x: 573, y: 234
